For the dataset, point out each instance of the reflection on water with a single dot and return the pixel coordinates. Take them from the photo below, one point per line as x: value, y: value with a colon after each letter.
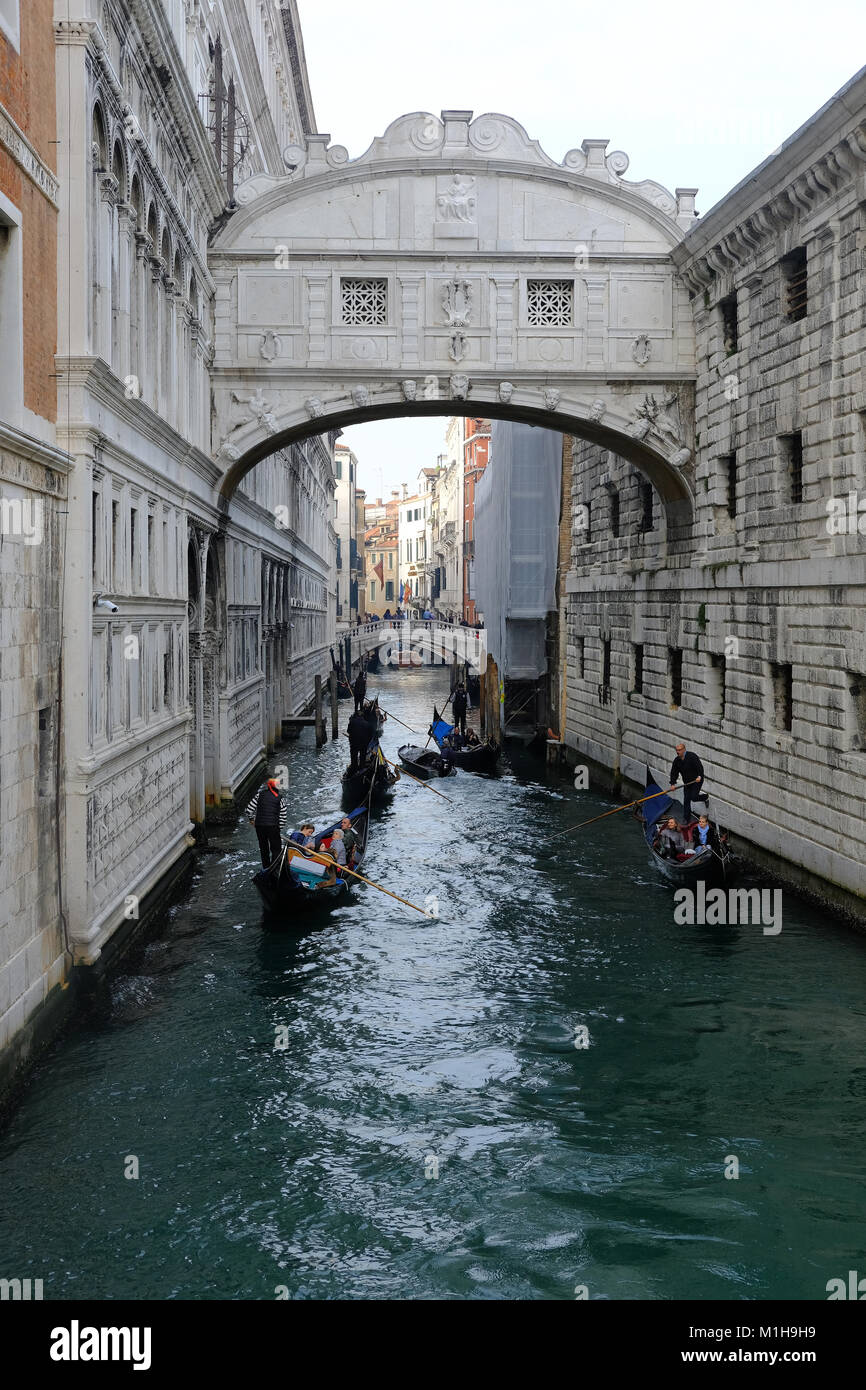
x: 431, y: 1130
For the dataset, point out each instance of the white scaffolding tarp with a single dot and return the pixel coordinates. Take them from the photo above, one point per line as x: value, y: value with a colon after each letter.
x: 516, y: 545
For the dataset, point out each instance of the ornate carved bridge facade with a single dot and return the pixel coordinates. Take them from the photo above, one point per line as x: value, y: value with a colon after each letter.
x: 456, y: 268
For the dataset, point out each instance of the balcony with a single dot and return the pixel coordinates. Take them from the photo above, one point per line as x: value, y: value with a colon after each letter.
x: 468, y: 550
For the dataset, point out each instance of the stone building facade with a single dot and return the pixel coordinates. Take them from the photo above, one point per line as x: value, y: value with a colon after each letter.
x: 192, y: 631
x: 154, y: 637
x: 33, y: 529
x: 745, y: 633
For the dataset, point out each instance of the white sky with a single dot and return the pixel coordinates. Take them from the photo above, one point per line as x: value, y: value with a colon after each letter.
x: 695, y: 94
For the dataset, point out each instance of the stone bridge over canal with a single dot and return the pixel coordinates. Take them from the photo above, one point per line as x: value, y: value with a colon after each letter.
x: 455, y: 268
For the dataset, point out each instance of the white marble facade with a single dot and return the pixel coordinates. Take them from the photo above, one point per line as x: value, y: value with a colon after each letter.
x: 213, y: 619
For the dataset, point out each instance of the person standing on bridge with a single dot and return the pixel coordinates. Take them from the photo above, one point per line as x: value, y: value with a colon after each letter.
x: 688, y: 766
x: 267, y: 813
x: 359, y: 689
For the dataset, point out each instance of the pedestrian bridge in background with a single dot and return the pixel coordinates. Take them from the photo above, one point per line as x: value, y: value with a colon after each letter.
x: 455, y: 268
x: 406, y: 642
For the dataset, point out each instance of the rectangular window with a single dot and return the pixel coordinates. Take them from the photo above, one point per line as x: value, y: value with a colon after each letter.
x: 716, y: 673
x: 857, y: 719
x: 364, y: 302
x: 390, y: 560
x: 728, y: 312
x: 675, y: 675
x: 605, y: 661
x: 151, y: 557
x: 646, y: 507
x: 550, y: 303
x: 637, y: 676
x: 372, y: 590
x: 791, y: 448
x: 133, y: 550
x: 794, y: 290
x: 389, y: 590
x: 782, y: 681
x: 728, y: 466
x: 95, y: 529
x: 11, y: 314
x: 614, y: 513
x: 338, y: 470
x: 580, y: 655
x: 115, y: 558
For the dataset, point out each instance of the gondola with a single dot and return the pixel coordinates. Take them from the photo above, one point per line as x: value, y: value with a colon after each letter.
x: 483, y: 758
x: 425, y: 762
x: 371, y: 782
x: 709, y: 864
x: 373, y: 664
x: 294, y: 883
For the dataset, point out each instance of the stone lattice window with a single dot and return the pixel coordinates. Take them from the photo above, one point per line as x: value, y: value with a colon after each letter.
x: 550, y: 302
x: 365, y: 302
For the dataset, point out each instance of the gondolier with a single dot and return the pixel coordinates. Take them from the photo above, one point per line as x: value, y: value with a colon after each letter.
x: 458, y: 705
x: 359, y: 689
x: 688, y: 766
x: 267, y: 812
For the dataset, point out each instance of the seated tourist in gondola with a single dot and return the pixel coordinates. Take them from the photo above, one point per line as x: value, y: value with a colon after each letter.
x: 670, y: 842
x: 704, y: 834
x: 350, y: 839
x: 472, y: 739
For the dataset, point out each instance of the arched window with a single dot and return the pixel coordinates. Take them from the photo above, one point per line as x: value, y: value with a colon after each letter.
x: 137, y: 282
x: 118, y: 170
x: 99, y: 236
x: 150, y: 384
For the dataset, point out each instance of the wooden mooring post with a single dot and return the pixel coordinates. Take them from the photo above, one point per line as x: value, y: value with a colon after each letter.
x: 321, y: 736
x: 335, y: 718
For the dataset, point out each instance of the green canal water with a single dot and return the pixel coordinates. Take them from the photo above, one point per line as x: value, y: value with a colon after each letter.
x: 431, y: 1130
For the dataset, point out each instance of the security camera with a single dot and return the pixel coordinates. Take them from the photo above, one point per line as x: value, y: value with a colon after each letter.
x: 100, y: 602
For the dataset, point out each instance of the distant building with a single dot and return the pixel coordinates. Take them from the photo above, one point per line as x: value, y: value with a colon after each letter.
x: 476, y: 447
x: 413, y: 549
x: 359, y: 592
x: 345, y: 523
x: 517, y: 512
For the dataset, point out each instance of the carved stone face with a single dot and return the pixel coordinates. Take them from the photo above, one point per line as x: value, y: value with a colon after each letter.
x: 598, y: 410
x: 459, y: 387
x: 506, y: 391
x: 361, y: 396
x: 409, y: 389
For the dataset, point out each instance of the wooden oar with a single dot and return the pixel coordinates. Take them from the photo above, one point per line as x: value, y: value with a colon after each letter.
x: 617, y: 809
x: 403, y: 773
x: 323, y: 854
x: 399, y: 721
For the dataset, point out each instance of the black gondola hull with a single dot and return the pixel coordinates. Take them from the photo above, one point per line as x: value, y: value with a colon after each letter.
x: 425, y: 763
x: 287, y: 900
x: 706, y: 865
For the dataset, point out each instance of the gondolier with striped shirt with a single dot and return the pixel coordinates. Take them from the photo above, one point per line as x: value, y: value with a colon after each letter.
x: 267, y: 813
x: 688, y: 766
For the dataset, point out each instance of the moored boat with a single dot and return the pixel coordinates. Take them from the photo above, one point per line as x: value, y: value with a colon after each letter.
x: 710, y: 863
x: 425, y: 762
x: 295, y: 883
x: 479, y: 757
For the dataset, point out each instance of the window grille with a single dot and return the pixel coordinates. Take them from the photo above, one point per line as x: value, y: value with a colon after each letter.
x: 675, y: 669
x: 550, y: 303
x: 794, y: 276
x: 782, y: 677
x: 730, y: 335
x: 792, y: 455
x: 729, y: 474
x: 365, y: 302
